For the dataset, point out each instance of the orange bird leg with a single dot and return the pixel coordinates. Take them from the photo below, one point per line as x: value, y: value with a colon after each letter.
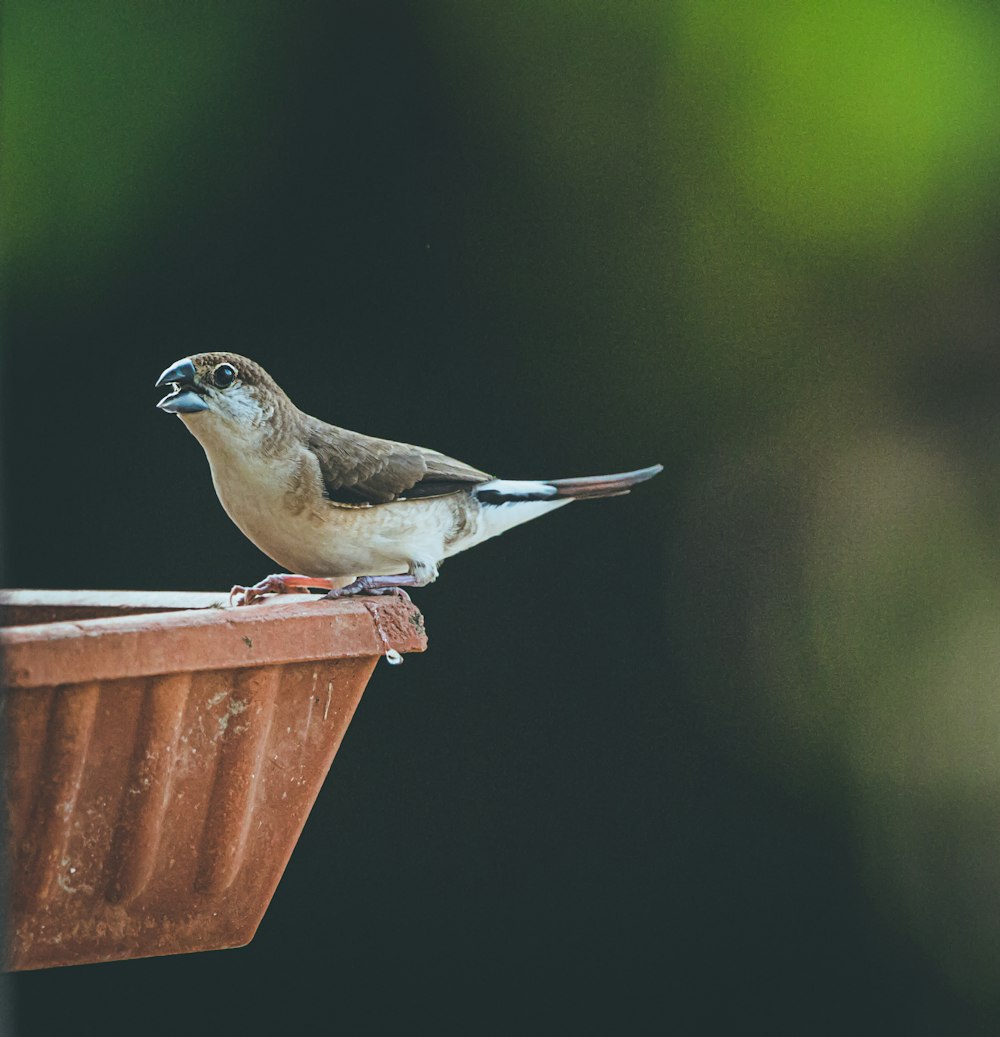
x: 281, y: 583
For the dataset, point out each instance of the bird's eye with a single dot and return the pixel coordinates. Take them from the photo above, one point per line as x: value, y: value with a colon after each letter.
x: 223, y: 376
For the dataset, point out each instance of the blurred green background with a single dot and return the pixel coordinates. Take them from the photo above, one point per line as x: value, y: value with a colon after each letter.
x: 720, y: 757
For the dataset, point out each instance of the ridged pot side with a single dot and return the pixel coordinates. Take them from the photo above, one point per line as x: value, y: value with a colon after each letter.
x: 155, y: 814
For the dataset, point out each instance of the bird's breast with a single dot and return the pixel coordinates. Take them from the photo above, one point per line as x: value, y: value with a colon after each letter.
x: 280, y: 506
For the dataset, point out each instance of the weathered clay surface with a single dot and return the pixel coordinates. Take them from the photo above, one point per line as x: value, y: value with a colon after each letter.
x: 161, y: 764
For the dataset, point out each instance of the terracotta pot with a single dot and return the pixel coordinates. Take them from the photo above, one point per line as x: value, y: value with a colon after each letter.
x: 163, y: 753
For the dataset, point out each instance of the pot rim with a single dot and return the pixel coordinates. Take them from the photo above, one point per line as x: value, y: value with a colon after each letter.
x: 198, y: 632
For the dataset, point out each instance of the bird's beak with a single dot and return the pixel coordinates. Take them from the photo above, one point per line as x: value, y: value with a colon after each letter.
x: 182, y: 373
x: 185, y: 398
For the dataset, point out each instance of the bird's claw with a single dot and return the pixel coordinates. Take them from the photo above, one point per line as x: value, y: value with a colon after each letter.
x: 367, y: 585
x: 277, y: 584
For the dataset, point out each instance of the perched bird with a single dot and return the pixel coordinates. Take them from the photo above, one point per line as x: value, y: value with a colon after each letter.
x: 345, y: 512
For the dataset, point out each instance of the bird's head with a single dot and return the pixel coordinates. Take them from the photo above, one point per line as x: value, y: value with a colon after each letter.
x: 220, y: 395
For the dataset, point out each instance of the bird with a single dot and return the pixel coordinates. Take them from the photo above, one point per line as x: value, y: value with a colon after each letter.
x: 345, y: 512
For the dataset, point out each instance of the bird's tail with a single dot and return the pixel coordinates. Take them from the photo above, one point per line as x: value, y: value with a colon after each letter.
x: 603, y: 485
x: 508, y: 491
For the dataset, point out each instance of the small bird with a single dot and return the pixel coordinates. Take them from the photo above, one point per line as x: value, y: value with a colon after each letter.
x: 345, y: 512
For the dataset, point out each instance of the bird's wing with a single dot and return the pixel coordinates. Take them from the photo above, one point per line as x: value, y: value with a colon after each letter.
x: 360, y: 469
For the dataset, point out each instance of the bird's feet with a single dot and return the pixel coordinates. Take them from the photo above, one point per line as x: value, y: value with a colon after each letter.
x: 281, y: 583
x: 377, y: 585
x: 287, y: 583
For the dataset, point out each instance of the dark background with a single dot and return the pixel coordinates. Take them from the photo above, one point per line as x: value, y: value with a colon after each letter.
x: 719, y: 757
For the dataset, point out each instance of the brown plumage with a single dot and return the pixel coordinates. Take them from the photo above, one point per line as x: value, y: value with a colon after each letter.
x: 363, y: 470
x: 356, y: 469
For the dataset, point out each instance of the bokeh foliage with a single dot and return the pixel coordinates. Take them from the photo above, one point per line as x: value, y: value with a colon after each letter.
x: 106, y: 107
